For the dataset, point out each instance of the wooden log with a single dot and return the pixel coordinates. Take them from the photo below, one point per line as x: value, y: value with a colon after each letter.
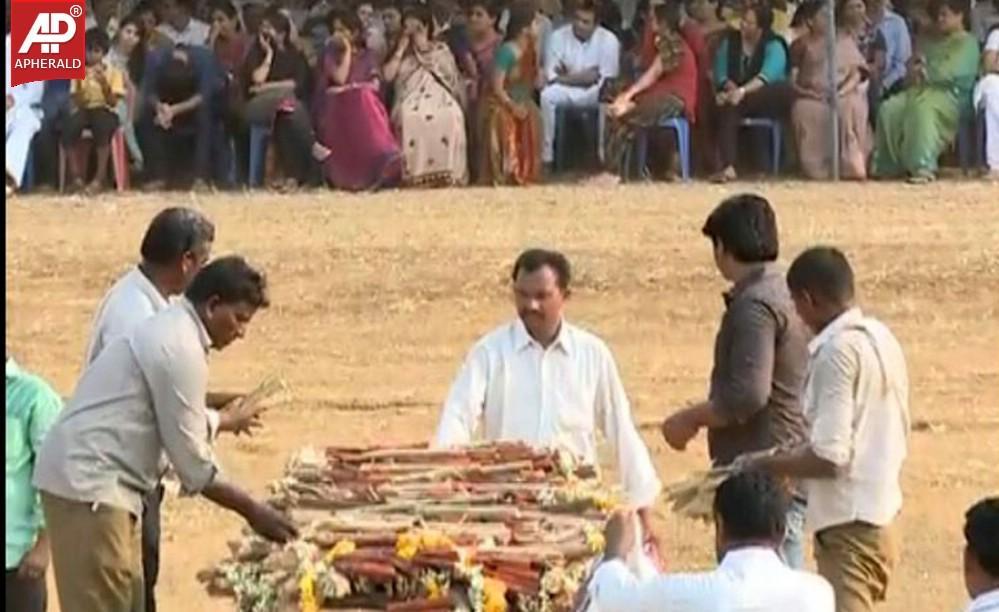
x: 421, y: 605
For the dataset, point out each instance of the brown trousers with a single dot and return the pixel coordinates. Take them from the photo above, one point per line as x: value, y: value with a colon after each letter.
x: 858, y: 560
x: 96, y: 555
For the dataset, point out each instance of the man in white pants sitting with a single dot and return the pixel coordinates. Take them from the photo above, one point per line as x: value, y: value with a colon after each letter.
x: 24, y: 119
x: 579, y: 57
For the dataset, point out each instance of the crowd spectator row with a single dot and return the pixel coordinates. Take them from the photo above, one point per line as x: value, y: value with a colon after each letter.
x: 396, y: 92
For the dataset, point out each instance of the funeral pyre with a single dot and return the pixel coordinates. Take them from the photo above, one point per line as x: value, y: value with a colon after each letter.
x: 491, y: 527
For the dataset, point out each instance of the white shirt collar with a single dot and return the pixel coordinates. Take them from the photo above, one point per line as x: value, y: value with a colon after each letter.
x: 206, y: 340
x: 844, y: 320
x: 750, y: 556
x: 989, y: 600
x: 522, y: 339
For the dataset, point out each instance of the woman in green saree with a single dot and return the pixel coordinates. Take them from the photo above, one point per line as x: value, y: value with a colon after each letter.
x: 914, y: 126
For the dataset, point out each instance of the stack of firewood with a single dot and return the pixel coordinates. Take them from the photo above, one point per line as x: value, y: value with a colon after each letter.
x: 490, y: 527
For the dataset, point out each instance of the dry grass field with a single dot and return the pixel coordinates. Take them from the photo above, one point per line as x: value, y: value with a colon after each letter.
x: 376, y: 300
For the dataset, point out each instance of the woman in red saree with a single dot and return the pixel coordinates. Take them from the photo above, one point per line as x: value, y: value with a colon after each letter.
x: 350, y: 117
x: 509, y: 120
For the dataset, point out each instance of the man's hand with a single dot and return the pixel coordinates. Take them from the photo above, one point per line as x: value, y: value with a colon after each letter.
x: 619, y: 535
x: 35, y: 561
x: 591, y: 76
x: 239, y: 419
x: 650, y: 540
x: 271, y: 524
x: 10, y: 101
x: 679, y: 429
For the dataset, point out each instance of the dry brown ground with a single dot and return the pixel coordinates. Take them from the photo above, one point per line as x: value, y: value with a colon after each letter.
x: 377, y: 298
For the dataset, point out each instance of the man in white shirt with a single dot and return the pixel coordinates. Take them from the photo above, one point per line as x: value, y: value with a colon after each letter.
x: 141, y: 401
x: 543, y: 381
x: 856, y: 403
x: 579, y: 58
x: 24, y: 119
x: 179, y: 25
x: 981, y: 555
x: 177, y: 243
x: 749, y: 511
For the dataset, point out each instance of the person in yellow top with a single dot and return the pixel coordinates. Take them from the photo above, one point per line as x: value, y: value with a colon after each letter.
x: 94, y: 100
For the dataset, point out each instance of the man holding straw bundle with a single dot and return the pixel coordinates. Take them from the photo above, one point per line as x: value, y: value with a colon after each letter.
x: 857, y: 404
x: 143, y: 400
x: 176, y: 245
x: 548, y: 383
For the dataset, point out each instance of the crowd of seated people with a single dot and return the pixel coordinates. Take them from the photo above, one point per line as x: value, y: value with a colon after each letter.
x: 364, y: 94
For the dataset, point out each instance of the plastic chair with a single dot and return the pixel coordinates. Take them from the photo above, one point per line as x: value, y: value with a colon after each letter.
x: 119, y: 159
x: 971, y: 140
x: 682, y: 129
x: 259, y: 139
x: 586, y: 114
x: 776, y: 137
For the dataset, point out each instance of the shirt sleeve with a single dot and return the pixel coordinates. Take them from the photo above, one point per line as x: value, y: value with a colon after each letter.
x: 504, y: 59
x: 615, y: 587
x: 213, y: 424
x: 634, y: 465
x: 43, y: 414
x: 774, y: 68
x: 720, y: 70
x: 551, y: 55
x: 832, y: 401
x: 178, y: 381
x: 117, y: 82
x: 745, y: 390
x: 465, y: 402
x: 610, y: 59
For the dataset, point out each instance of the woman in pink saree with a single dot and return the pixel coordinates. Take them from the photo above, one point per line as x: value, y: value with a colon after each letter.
x: 350, y: 117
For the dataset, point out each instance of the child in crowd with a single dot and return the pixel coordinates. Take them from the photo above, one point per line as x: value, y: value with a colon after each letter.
x: 94, y: 98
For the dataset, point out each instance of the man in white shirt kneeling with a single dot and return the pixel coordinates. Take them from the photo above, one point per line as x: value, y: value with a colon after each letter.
x: 548, y: 383
x: 856, y: 403
x: 750, y: 509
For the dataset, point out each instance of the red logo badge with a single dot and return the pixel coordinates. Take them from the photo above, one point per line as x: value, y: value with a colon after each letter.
x: 47, y: 40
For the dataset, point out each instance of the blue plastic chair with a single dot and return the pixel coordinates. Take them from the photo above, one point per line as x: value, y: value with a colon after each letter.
x: 682, y: 129
x: 776, y: 137
x: 586, y: 114
x: 259, y: 138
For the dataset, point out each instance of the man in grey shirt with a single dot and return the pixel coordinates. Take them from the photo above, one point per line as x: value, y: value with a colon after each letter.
x: 761, y: 352
x: 141, y: 402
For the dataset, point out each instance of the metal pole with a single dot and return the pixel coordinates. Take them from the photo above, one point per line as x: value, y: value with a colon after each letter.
x: 831, y: 86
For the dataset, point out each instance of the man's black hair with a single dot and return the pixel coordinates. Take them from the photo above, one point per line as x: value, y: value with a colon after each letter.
x: 173, y: 232
x: 823, y: 272
x: 96, y: 38
x: 533, y: 260
x: 752, y: 506
x: 981, y: 532
x: 232, y: 280
x: 746, y: 226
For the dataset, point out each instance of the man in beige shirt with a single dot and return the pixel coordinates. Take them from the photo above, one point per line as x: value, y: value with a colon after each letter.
x: 141, y: 402
x: 857, y: 405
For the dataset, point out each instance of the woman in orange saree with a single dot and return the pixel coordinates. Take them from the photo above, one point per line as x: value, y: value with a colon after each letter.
x: 509, y: 119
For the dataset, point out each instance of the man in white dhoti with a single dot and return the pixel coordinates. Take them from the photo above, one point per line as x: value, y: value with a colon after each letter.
x: 543, y: 381
x: 579, y: 57
x: 24, y: 119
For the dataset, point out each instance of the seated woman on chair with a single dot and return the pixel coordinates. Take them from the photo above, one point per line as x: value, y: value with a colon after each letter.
x: 667, y: 88
x: 277, y: 76
x: 350, y: 117
x: 751, y: 70
x: 916, y: 125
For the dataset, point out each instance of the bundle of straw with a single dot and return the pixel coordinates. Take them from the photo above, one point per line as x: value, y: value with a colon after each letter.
x: 693, y: 497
